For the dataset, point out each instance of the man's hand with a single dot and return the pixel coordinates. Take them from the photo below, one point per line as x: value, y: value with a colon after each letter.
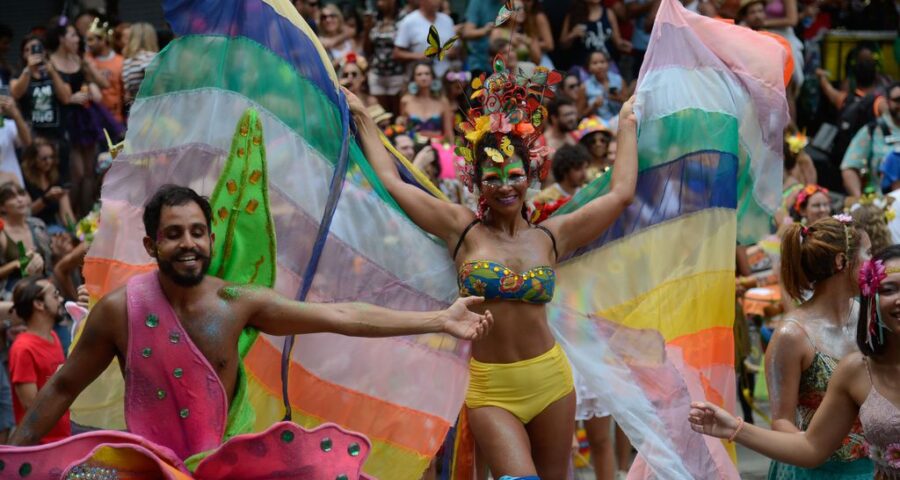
x: 462, y: 323
x: 7, y: 106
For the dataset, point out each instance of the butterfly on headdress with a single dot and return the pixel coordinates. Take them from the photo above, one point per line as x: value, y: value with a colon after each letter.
x: 435, y: 49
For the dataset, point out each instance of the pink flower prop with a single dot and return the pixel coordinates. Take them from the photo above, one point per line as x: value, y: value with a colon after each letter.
x: 870, y: 276
x: 893, y: 455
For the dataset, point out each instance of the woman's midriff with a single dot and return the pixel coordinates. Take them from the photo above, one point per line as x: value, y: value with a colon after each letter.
x: 520, y: 332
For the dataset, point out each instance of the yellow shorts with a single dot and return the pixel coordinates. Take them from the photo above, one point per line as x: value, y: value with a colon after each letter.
x: 522, y: 388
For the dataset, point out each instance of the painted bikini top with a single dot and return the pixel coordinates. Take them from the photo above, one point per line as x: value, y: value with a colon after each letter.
x: 493, y: 280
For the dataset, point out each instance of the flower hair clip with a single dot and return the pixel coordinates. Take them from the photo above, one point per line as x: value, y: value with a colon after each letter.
x: 843, y: 218
x: 804, y: 195
x: 797, y: 142
x: 871, y: 274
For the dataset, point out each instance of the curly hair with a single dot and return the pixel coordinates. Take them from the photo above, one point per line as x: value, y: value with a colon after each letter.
x: 871, y: 219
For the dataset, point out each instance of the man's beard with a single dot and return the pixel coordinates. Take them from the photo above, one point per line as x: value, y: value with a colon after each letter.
x: 168, y: 269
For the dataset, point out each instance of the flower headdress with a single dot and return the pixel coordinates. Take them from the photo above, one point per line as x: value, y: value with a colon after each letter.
x: 507, y: 104
x: 807, y: 192
x: 882, y: 202
x: 796, y: 142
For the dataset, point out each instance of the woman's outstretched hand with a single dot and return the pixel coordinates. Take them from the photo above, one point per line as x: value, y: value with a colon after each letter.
x: 626, y: 114
x: 356, y: 105
x: 712, y: 420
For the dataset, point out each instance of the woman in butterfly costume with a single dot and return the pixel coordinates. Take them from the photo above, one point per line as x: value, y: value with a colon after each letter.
x: 520, y: 402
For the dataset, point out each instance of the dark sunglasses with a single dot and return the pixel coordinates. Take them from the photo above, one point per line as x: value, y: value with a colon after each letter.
x: 895, y: 99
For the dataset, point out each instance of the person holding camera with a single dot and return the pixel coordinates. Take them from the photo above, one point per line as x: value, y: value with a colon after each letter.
x: 40, y: 90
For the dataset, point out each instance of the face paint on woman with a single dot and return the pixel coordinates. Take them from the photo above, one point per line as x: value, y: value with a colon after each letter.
x: 496, y: 176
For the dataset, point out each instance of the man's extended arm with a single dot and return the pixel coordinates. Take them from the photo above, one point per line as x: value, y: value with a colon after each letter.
x: 277, y: 315
x: 92, y: 354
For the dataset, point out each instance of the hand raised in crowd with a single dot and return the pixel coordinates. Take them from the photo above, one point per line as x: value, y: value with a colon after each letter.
x: 579, y: 31
x: 84, y: 298
x: 55, y: 193
x: 7, y: 106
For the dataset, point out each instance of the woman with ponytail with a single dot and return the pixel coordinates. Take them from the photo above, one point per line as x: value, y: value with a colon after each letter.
x: 823, y: 260
x: 865, y: 385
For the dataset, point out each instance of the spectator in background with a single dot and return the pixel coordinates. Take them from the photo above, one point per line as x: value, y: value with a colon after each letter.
x: 569, y: 170
x: 81, y: 123
x: 50, y: 201
x: 13, y: 133
x: 526, y: 47
x: 121, y: 34
x: 861, y: 166
x: 108, y: 65
x: 537, y: 25
x: 139, y: 52
x: 643, y: 13
x: 589, y: 28
x: 604, y: 90
x: 20, y: 227
x: 571, y: 87
x: 37, y: 352
x: 752, y: 14
x: 595, y: 135
x: 309, y: 10
x: 386, y: 77
x: 480, y: 17
x: 41, y: 92
x: 334, y: 35
x: 412, y: 35
x: 562, y: 119
x: 352, y: 72
x: 456, y: 83
x: 426, y: 110
x: 84, y: 20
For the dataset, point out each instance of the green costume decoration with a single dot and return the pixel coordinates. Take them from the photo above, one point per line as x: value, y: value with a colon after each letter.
x: 240, y: 255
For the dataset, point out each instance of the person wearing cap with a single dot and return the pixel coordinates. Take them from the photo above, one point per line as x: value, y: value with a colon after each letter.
x: 595, y: 135
x: 381, y: 116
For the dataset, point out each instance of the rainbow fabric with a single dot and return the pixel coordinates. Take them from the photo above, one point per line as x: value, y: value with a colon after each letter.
x: 712, y: 108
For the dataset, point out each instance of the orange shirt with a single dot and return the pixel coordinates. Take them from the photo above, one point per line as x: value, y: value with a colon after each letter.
x: 113, y: 96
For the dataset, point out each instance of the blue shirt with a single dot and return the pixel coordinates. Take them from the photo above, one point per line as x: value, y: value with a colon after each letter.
x: 593, y: 89
x: 480, y: 13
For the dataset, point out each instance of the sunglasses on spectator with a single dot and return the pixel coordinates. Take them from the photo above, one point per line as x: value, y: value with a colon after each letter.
x: 350, y: 74
x: 328, y: 15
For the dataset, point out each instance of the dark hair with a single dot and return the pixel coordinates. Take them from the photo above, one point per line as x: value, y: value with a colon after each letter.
x: 23, y: 53
x: 412, y: 72
x: 9, y: 190
x: 5, y: 31
x: 172, y: 196
x: 866, y: 72
x: 491, y: 141
x: 568, y: 158
x: 862, y: 324
x: 808, y: 253
x: 25, y: 293
x: 553, y: 106
x: 497, y: 45
x: 54, y: 33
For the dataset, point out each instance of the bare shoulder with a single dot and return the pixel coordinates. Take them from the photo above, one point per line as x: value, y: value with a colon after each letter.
x: 852, y: 377
x: 108, y: 318
x: 791, y: 333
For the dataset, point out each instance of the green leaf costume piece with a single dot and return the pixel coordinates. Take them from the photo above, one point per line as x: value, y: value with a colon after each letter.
x: 240, y: 255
